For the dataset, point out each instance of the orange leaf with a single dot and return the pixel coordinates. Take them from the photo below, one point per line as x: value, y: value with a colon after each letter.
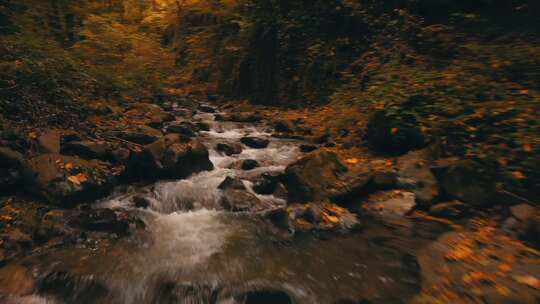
x: 528, y: 280
x: 518, y: 175
x: 78, y: 179
x: 394, y: 131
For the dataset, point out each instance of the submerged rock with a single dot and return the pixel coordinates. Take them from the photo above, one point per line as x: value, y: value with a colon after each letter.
x: 268, y: 296
x: 239, y: 200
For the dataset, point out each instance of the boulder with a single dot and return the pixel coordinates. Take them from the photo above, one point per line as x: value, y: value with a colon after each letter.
x: 232, y: 183
x: 465, y: 181
x: 104, y: 220
x: 13, y: 168
x: 66, y: 179
x: 255, y: 142
x: 141, y: 201
x: 87, y: 149
x: 16, y: 280
x: 350, y: 186
x: 249, y: 164
x: 239, y: 200
x: 229, y: 149
x: 414, y: 174
x: 49, y: 141
x: 142, y: 135
x: 267, y: 183
x: 313, y: 176
x: 184, y: 128
x: 393, y: 134
x: 308, y: 148
x: 319, y: 216
x: 284, y: 126
x: 171, y: 157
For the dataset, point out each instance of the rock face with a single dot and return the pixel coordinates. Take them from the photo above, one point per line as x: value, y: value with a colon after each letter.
x: 171, y: 157
x: 389, y: 134
x: 313, y: 176
x: 65, y: 179
x: 255, y: 142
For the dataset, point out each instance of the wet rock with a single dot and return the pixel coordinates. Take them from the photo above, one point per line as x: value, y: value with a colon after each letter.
x: 384, y: 179
x: 86, y: 149
x: 49, y: 141
x: 466, y: 182
x: 414, y: 174
x: 321, y: 217
x: 202, y: 126
x: 249, y: 164
x: 229, y: 149
x: 238, y: 200
x: 189, y: 293
x: 307, y: 148
x: 206, y: 109
x: 450, y: 210
x: 255, y: 142
x: 65, y: 179
x: 267, y: 183
x: 350, y: 186
x: 16, y: 280
x: 524, y: 223
x: 279, y: 217
x: 280, y: 192
x: 239, y: 117
x: 269, y: 296
x: 171, y: 157
x: 53, y: 224
x: 141, y: 202
x: 183, y: 112
x: 284, y: 126
x: 120, y: 155
x: 391, y: 134
x: 72, y: 288
x: 18, y: 237
x: 232, y: 183
x: 142, y: 135
x: 184, y: 128
x: 104, y: 220
x: 311, y: 177
x: 13, y: 168
x: 157, y: 120
x: 323, y: 139
x: 399, y: 204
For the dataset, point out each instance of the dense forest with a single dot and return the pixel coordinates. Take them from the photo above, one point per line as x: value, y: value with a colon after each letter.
x: 269, y: 151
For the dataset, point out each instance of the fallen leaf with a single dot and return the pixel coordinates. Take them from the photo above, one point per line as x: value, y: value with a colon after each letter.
x: 393, y: 131
x: 505, y: 267
x: 352, y: 161
x: 68, y: 166
x: 78, y: 179
x: 528, y: 280
x: 518, y: 175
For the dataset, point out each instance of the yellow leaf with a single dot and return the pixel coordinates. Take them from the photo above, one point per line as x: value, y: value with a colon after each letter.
x: 78, y: 179
x: 352, y: 161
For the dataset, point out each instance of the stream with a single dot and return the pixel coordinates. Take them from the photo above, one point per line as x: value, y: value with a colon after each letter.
x: 193, y: 252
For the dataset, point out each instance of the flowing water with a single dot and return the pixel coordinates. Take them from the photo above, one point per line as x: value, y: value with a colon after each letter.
x: 191, y: 252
